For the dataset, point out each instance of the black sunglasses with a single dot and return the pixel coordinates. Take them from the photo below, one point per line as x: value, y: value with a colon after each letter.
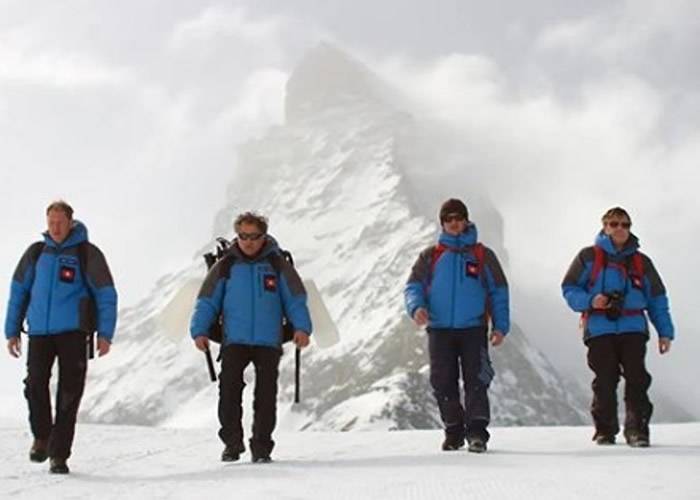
x: 614, y: 223
x: 250, y: 236
x: 453, y: 217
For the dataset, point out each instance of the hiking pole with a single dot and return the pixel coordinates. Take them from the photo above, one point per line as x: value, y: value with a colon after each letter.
x: 210, y: 365
x: 297, y: 363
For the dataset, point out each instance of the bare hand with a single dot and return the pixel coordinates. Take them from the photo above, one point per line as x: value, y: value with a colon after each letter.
x: 664, y: 345
x: 600, y: 301
x: 420, y: 317
x: 103, y: 346
x: 14, y: 346
x: 202, y: 343
x: 497, y: 338
x: 301, y: 339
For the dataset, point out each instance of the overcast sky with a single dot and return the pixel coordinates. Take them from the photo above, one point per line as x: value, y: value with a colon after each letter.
x: 132, y: 111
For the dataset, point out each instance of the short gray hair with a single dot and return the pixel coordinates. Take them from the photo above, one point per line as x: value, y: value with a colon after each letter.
x: 251, y: 218
x: 61, y: 206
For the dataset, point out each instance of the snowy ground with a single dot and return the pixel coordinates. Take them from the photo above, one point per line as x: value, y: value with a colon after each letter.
x: 543, y: 462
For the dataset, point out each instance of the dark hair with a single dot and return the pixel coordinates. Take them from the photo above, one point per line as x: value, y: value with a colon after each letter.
x: 251, y: 218
x: 61, y: 206
x: 615, y: 212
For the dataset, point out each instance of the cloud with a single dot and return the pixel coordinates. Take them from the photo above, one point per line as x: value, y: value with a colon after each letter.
x: 23, y: 65
x: 260, y: 102
x: 220, y: 21
x: 625, y: 30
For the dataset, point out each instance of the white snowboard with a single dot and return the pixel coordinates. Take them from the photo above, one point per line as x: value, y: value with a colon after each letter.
x: 325, y: 332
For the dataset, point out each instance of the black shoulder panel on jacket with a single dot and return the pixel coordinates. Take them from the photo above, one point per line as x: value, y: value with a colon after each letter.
x: 657, y: 286
x: 491, y: 261
x: 577, y: 267
x: 96, y: 267
x: 421, y: 268
x: 29, y: 258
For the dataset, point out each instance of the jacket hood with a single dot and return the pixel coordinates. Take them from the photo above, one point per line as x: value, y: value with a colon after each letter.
x: 604, y: 241
x: 467, y: 238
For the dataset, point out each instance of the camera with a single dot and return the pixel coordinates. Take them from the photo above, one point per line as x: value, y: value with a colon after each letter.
x: 616, y: 300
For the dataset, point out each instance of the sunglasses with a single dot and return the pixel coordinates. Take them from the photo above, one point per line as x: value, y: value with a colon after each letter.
x: 453, y: 217
x: 614, y: 223
x: 250, y: 236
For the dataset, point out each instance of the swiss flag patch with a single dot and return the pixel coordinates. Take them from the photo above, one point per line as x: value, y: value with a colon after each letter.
x: 472, y: 269
x: 67, y: 274
x: 270, y: 282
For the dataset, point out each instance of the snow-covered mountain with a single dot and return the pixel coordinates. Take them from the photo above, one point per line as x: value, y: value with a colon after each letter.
x: 331, y: 180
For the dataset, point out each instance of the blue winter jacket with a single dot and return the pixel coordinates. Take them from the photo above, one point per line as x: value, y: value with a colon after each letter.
x: 56, y: 295
x: 649, y: 297
x: 456, y: 290
x: 253, y: 298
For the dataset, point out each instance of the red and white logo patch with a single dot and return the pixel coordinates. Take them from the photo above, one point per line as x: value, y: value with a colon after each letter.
x: 472, y: 269
x: 270, y: 282
x: 67, y: 274
x: 637, y: 282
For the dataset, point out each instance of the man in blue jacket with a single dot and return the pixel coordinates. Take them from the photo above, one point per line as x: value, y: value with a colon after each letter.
x: 253, y: 287
x: 64, y: 289
x: 455, y: 287
x: 615, y: 287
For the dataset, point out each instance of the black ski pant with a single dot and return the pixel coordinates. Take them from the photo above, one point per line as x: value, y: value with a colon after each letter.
x: 71, y: 351
x: 234, y: 359
x: 610, y: 356
x: 453, y: 350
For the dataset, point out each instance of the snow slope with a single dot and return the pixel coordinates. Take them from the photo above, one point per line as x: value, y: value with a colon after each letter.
x: 544, y: 463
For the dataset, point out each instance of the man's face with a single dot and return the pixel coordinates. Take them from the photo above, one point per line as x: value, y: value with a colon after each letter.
x: 59, y: 225
x: 454, y: 224
x: 618, y: 228
x: 250, y: 239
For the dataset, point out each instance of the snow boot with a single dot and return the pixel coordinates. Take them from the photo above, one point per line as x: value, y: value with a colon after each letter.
x: 452, y: 442
x: 604, y: 439
x: 58, y: 466
x: 38, y: 452
x: 637, y: 439
x: 477, y: 445
x: 232, y: 453
x: 260, y: 450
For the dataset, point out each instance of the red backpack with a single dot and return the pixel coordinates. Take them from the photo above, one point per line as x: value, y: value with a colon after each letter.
x: 474, y: 270
x: 635, y: 272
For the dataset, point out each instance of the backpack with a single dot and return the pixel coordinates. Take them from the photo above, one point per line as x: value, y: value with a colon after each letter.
x: 633, y: 268
x: 216, y: 332
x: 600, y: 260
x: 439, y: 249
x: 479, y: 252
x: 36, y: 252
